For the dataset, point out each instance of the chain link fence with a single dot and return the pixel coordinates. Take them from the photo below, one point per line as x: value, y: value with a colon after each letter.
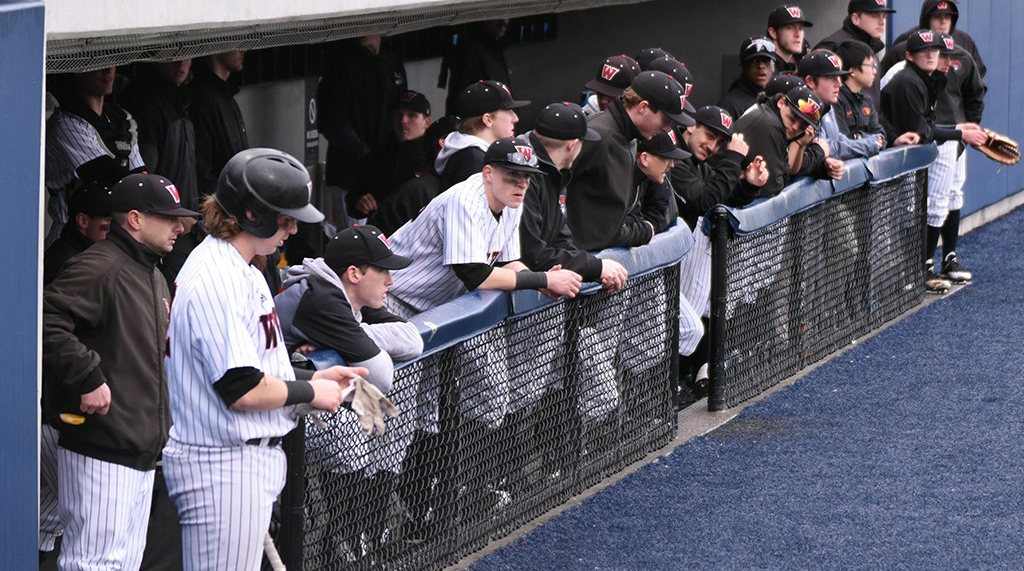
x: 809, y: 284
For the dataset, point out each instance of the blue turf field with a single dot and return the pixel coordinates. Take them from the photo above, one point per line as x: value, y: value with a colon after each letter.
x: 905, y: 452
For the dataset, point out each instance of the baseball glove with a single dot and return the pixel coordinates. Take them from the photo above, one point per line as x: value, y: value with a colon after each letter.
x: 1000, y: 148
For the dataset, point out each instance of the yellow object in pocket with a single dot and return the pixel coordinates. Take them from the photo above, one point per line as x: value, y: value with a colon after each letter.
x: 72, y: 419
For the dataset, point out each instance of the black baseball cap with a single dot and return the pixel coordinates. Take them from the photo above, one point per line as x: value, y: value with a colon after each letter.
x: 820, y: 63
x: 923, y: 40
x: 149, y: 193
x: 91, y: 199
x: 615, y: 75
x: 944, y: 7
x: 806, y: 105
x: 564, y: 122
x: 757, y: 47
x: 415, y: 101
x: 787, y: 14
x: 868, y: 6
x: 663, y: 94
x: 715, y: 118
x: 360, y: 245
x: 948, y: 44
x: 647, y: 55
x: 664, y: 145
x: 514, y: 154
x: 486, y: 96
x: 782, y: 82
x: 678, y: 72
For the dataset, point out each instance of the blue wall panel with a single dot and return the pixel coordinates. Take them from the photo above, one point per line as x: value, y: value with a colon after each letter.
x: 21, y: 64
x: 997, y: 26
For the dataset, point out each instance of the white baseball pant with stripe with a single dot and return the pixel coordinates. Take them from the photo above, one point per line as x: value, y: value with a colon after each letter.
x: 946, y: 178
x: 694, y: 291
x: 105, y: 510
x: 50, y: 526
x: 224, y: 497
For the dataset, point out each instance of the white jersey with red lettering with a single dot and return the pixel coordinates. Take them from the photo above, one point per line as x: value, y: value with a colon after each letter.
x: 222, y: 318
x: 457, y: 227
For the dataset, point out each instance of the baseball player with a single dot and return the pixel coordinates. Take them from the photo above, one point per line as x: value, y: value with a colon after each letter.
x: 231, y: 385
x: 468, y: 238
x: 938, y: 16
x: 786, y: 26
x: 487, y: 113
x: 545, y: 238
x: 909, y: 104
x: 615, y: 75
x: 757, y: 64
x: 865, y: 23
x: 104, y: 324
x: 602, y: 206
x: 334, y: 302
x: 89, y: 137
x: 823, y: 71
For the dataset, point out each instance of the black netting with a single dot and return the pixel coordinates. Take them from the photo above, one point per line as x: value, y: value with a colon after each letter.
x: 810, y: 284
x: 496, y: 430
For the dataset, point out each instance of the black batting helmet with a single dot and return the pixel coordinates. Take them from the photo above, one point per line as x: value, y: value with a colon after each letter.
x: 266, y: 182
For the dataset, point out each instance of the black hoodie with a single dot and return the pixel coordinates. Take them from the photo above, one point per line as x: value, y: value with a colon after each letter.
x: 908, y: 104
x: 962, y: 38
x: 741, y: 95
x: 851, y: 32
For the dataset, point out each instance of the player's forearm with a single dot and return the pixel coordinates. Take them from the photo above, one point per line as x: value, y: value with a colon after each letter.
x: 269, y: 394
x: 500, y: 279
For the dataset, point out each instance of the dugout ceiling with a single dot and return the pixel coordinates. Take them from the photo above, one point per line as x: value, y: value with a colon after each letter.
x: 82, y: 36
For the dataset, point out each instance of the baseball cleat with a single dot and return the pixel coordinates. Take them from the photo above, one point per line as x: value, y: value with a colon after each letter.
x: 935, y: 284
x: 953, y: 271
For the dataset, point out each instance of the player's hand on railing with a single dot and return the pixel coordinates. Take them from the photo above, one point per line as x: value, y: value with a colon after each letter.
x: 880, y: 141
x: 613, y: 275
x: 96, y: 401
x: 757, y: 172
x: 836, y: 168
x: 738, y: 143
x: 908, y: 138
x: 562, y: 282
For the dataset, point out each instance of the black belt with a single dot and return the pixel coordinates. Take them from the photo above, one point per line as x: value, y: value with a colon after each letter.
x: 265, y: 441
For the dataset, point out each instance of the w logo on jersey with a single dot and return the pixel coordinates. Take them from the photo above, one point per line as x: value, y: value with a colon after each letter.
x: 926, y: 36
x: 608, y: 72
x: 834, y: 60
x: 794, y: 11
x: 526, y: 152
x: 955, y: 64
x: 726, y: 120
x: 271, y: 329
x: 174, y: 193
x: 950, y: 44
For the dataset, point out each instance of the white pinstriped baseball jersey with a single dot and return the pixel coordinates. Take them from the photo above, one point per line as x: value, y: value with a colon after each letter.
x: 222, y: 317
x: 457, y: 227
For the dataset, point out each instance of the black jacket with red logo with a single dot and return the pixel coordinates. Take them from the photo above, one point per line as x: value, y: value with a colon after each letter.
x: 857, y: 114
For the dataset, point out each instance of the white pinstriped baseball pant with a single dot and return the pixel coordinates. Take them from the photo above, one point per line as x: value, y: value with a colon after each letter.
x: 946, y: 178
x: 50, y: 527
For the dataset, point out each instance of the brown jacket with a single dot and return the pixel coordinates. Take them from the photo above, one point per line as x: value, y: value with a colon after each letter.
x: 105, y: 320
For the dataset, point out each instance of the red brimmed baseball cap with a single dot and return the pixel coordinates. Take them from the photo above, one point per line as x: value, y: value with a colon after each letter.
x: 360, y: 245
x: 148, y: 193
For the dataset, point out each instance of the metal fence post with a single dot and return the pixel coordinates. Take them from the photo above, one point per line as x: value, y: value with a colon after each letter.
x: 719, y: 297
x: 293, y: 498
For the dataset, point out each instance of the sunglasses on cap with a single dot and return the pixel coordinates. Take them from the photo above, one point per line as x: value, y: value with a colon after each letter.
x: 758, y: 46
x: 809, y: 109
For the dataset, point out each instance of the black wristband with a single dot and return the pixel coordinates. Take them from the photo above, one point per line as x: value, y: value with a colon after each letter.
x: 531, y: 280
x: 299, y: 392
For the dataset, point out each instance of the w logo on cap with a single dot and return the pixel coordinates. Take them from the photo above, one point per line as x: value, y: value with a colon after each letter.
x: 687, y: 88
x: 880, y: 2
x: 409, y: 96
x: 942, y: 6
x: 174, y: 193
x: 384, y: 239
x: 794, y: 11
x: 608, y: 72
x: 834, y: 60
x: 926, y: 36
x: 526, y: 152
x: 950, y: 44
x: 726, y: 120
x: 672, y: 135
